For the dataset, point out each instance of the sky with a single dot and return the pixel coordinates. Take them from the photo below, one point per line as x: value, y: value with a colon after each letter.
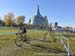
x: 61, y: 11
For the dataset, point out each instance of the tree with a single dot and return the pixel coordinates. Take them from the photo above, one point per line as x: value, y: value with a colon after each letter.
x: 9, y: 19
x: 20, y: 20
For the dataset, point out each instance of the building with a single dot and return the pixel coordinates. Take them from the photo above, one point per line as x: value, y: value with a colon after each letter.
x: 1, y: 23
x: 40, y: 22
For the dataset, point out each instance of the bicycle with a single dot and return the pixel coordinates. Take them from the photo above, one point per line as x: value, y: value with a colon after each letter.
x: 20, y: 40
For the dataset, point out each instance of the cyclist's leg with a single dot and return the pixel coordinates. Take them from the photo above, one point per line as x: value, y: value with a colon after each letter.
x: 24, y: 35
x: 26, y: 39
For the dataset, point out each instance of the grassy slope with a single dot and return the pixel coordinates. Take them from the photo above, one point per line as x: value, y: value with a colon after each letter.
x: 6, y: 40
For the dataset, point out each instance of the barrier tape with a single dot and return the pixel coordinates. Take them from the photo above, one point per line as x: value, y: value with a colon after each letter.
x: 66, y: 47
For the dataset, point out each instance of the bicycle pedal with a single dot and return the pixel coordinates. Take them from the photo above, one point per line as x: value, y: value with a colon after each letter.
x: 27, y: 42
x: 19, y: 45
x: 24, y: 40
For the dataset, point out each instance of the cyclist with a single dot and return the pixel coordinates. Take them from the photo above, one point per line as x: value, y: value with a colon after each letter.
x: 22, y: 31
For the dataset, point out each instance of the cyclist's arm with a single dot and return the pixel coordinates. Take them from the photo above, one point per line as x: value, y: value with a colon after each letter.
x: 18, y: 31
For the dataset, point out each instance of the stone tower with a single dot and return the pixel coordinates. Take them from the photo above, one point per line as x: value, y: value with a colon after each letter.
x: 39, y: 21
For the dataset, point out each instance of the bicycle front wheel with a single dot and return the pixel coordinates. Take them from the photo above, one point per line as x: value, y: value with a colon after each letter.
x: 19, y: 41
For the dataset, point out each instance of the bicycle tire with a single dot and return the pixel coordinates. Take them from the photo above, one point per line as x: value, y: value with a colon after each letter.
x: 19, y: 41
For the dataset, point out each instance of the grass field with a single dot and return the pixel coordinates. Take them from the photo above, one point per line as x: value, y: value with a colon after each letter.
x: 41, y: 48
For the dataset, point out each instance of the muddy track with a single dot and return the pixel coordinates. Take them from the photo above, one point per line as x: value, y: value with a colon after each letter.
x: 5, y: 51
x: 11, y: 49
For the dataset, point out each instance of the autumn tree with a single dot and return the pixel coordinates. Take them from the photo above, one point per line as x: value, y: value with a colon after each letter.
x: 9, y: 19
x: 20, y: 20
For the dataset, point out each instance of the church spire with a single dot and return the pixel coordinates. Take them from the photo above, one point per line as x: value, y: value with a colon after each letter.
x: 38, y: 11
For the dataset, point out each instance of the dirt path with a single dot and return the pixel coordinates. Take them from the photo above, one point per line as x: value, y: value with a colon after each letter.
x: 12, y: 49
x: 5, y: 51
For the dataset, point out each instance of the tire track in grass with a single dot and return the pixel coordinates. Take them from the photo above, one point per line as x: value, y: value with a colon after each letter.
x: 12, y: 49
x: 5, y: 51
